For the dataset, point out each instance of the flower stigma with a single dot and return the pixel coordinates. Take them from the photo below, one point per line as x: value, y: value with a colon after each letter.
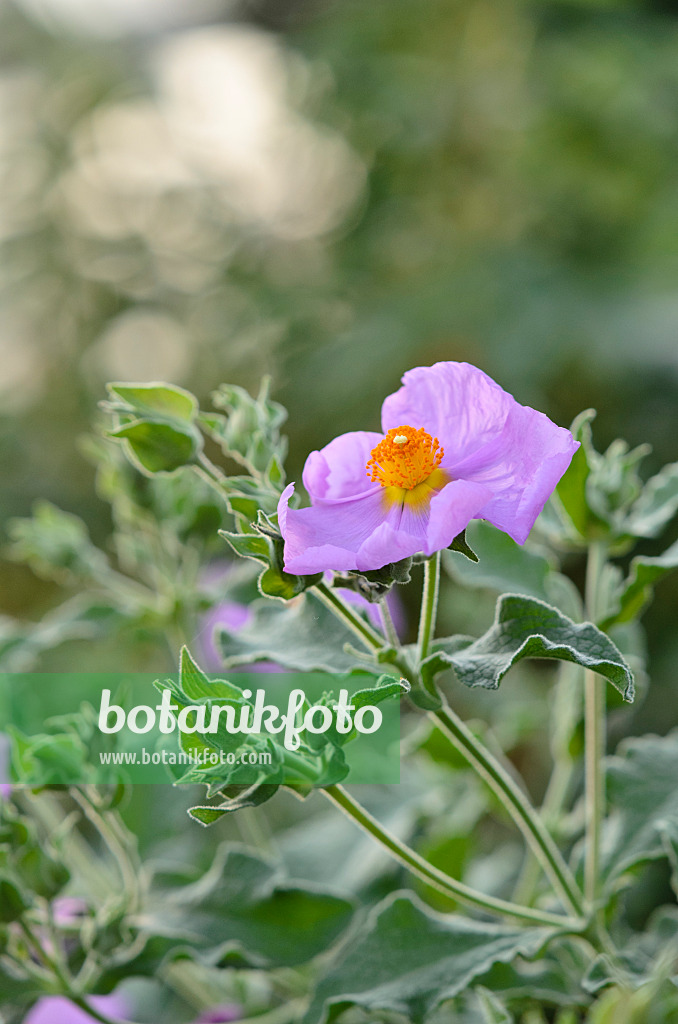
x: 406, y: 463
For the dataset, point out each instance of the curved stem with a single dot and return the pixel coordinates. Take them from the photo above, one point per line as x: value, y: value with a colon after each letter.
x: 516, y: 802
x: 429, y: 604
x: 594, y: 737
x: 368, y: 636
x: 433, y: 876
x: 489, y: 769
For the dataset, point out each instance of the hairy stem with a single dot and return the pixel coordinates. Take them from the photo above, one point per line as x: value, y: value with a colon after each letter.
x: 433, y: 876
x: 390, y: 631
x: 429, y: 605
x: 368, y: 636
x: 477, y: 755
x: 594, y: 738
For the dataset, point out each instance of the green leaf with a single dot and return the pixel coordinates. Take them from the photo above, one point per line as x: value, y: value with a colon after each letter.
x: 13, y: 903
x: 304, y: 636
x: 375, y: 584
x: 571, y: 488
x: 166, y: 400
x: 527, y: 628
x: 249, y: 433
x: 157, y: 447
x: 56, y: 544
x: 195, y: 684
x: 635, y: 594
x: 277, y: 583
x: 245, y: 910
x: 491, y: 1008
x: 409, y: 960
x: 508, y: 567
x: 460, y: 544
x: 248, y: 545
x: 245, y: 796
x: 657, y: 504
x: 643, y: 800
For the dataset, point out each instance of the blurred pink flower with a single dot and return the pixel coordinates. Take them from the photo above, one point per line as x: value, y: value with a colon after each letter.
x: 59, y: 1010
x: 223, y: 1014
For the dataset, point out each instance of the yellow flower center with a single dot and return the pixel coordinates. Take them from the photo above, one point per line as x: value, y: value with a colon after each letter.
x: 404, y: 458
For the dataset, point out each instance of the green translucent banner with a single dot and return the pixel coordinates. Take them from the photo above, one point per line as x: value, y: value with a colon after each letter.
x: 250, y: 728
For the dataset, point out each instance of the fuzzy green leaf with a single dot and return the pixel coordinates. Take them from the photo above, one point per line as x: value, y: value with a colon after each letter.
x: 657, y: 504
x: 166, y: 400
x: 527, y: 628
x: 158, y: 447
x: 248, y: 545
x: 409, y: 960
x: 643, y: 800
x: 635, y: 593
x: 508, y: 567
x: 304, y: 636
x: 245, y: 910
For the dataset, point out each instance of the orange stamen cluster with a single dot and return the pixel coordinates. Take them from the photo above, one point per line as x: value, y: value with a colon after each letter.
x: 404, y: 458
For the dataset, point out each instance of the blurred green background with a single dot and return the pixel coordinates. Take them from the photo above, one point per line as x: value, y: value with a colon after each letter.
x: 333, y: 192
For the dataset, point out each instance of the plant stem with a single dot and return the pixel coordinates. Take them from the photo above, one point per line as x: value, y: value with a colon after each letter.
x: 368, y: 636
x: 433, y: 876
x: 516, y: 802
x: 387, y: 622
x: 63, y: 978
x: 594, y: 737
x: 429, y: 604
x: 489, y: 769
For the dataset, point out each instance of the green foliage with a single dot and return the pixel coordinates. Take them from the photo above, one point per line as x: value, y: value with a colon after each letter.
x: 507, y: 567
x: 643, y: 801
x: 245, y: 910
x: 165, y: 400
x: 56, y: 545
x: 305, y: 637
x: 159, y: 447
x: 527, y: 628
x: 250, y: 432
x: 319, y: 761
x: 409, y: 961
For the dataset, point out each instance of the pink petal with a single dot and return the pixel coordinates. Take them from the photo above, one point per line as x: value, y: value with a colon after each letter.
x: 338, y: 470
x: 455, y: 402
x: 527, y: 462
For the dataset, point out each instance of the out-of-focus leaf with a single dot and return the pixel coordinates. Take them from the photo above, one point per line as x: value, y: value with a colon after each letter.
x: 571, y: 488
x: 158, y: 447
x: 245, y: 910
x: 635, y: 593
x: 304, y: 636
x: 643, y: 801
x: 491, y: 1008
x: 250, y: 432
x: 56, y: 544
x: 657, y: 504
x: 507, y: 567
x: 409, y: 960
x: 166, y: 400
x: 527, y: 628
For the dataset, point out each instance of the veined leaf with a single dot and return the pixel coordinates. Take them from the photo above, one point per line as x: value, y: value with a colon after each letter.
x: 409, y: 960
x: 527, y: 628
